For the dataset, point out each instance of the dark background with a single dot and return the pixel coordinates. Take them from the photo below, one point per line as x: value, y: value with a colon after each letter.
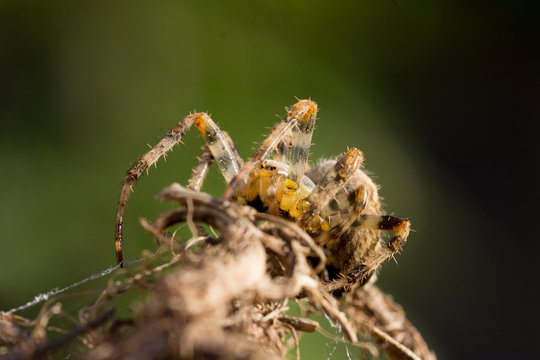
x: 442, y: 97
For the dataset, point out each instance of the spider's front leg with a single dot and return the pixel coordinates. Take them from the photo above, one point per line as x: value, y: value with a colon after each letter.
x: 283, y: 148
x: 301, y: 114
x: 218, y: 143
x: 306, y: 112
x: 172, y: 138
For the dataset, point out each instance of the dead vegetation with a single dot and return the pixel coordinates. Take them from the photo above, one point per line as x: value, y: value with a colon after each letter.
x: 221, y: 297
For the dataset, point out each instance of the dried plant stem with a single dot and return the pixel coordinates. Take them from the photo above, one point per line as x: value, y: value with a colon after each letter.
x: 227, y: 298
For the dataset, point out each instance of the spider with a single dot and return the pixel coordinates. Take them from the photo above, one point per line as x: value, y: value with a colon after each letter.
x: 335, y: 201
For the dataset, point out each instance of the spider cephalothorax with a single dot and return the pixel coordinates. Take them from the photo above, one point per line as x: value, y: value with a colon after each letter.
x: 334, y: 201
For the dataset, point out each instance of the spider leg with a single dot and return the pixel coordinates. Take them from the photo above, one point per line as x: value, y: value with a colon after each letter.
x: 301, y: 138
x: 236, y: 154
x: 172, y: 138
x: 201, y: 170
x: 283, y: 149
x: 329, y: 185
x: 300, y: 112
x: 218, y: 144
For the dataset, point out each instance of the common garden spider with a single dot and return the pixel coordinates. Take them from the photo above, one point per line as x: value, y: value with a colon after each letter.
x: 335, y: 201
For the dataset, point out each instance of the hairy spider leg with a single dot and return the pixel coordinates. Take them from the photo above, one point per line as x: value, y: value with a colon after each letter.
x: 203, y: 167
x: 220, y: 147
x: 302, y: 111
x: 206, y: 159
x: 305, y: 111
x: 269, y: 144
x: 201, y: 170
x: 236, y: 154
x: 137, y: 169
x: 196, y: 181
x: 283, y: 149
x: 328, y: 186
x: 217, y: 143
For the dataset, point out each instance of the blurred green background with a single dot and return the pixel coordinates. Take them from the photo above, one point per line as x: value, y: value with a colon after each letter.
x: 441, y: 96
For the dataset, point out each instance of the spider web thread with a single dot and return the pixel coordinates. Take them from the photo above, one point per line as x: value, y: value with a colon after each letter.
x: 55, y: 291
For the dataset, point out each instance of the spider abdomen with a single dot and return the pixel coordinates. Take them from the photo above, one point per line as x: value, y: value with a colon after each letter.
x: 278, y: 194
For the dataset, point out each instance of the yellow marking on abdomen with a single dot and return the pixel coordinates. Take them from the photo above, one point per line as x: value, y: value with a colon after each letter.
x: 289, y: 196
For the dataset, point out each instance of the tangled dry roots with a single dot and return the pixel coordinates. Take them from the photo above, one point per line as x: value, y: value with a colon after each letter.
x: 228, y: 299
